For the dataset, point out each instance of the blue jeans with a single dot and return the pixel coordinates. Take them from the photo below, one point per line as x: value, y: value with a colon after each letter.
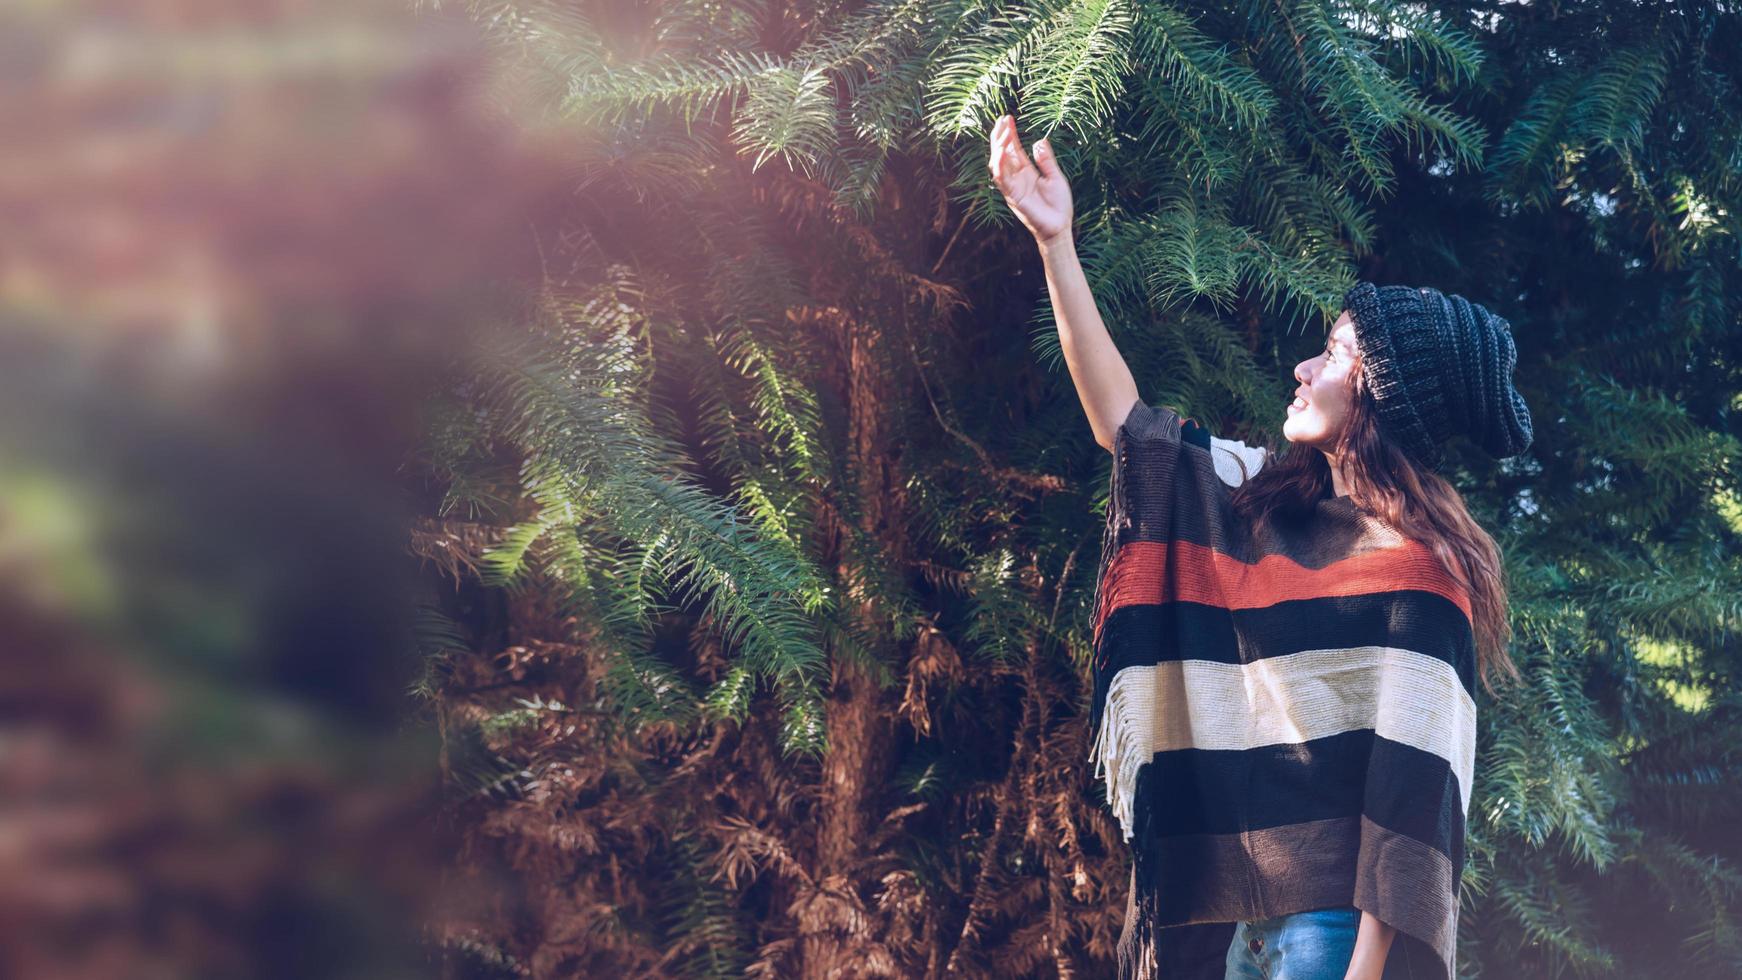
x: 1316, y: 945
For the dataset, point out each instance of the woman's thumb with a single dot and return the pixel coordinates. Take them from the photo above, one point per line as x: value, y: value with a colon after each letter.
x: 1043, y: 159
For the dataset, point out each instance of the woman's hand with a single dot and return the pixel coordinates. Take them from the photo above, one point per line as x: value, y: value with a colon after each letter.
x: 1373, y: 940
x: 1036, y: 190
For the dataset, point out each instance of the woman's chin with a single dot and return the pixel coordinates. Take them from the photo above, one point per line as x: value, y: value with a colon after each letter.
x: 1294, y: 431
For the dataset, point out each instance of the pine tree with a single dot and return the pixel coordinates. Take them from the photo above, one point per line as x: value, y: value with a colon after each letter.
x: 765, y: 552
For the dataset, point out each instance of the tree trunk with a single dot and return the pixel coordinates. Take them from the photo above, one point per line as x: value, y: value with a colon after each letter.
x: 861, y: 712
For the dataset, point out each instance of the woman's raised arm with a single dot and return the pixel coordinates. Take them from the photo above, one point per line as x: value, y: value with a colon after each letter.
x: 1037, y: 191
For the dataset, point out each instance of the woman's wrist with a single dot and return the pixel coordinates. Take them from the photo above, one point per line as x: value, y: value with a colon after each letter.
x: 1057, y: 244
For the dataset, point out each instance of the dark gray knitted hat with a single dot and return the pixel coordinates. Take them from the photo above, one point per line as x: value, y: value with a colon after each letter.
x: 1438, y: 366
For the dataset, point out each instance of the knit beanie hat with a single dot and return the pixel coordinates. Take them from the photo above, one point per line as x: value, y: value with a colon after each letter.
x: 1438, y: 366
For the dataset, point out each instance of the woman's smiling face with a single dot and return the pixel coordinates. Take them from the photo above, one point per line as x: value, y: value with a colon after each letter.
x: 1327, y: 389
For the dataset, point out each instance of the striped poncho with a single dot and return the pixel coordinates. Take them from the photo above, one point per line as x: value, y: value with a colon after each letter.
x: 1284, y: 713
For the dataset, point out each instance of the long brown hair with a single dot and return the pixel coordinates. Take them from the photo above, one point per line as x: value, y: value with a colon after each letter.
x: 1420, y: 504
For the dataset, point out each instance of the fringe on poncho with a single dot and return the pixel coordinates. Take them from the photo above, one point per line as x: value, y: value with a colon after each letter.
x: 1284, y: 715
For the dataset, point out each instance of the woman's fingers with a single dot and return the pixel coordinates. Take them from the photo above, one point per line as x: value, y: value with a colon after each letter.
x: 1015, y: 160
x: 1007, y: 159
x: 1000, y: 161
x: 995, y: 158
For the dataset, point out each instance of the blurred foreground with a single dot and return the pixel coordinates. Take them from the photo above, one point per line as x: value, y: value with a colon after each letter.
x: 238, y: 244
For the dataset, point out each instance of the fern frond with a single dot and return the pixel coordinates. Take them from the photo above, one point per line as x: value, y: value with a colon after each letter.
x: 1078, y: 67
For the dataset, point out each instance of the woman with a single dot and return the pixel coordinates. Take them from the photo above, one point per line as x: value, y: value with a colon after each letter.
x: 1287, y: 645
